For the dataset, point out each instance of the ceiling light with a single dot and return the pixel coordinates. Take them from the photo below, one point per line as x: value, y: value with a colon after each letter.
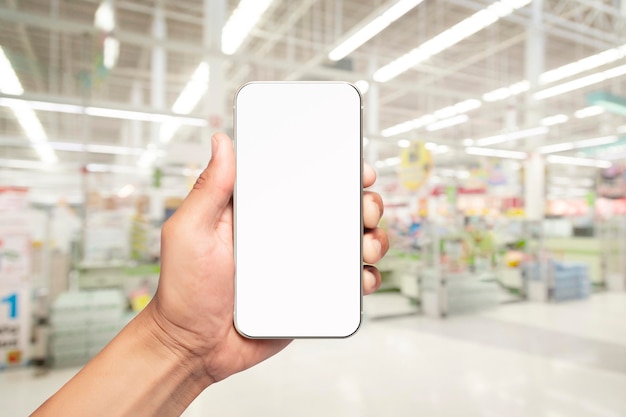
x: 95, y: 148
x: 570, y: 160
x: 580, y: 82
x: 193, y: 91
x: 558, y: 147
x: 126, y: 114
x: 589, y: 112
x: 392, y: 161
x: 378, y: 22
x: 449, y: 37
x: 26, y: 117
x: 126, y: 191
x: 111, y: 52
x: 607, y: 101
x: 101, y: 111
x: 117, y: 169
x: 468, y: 142
x: 585, y: 64
x: 446, y: 112
x: 496, y: 153
x: 554, y: 120
x: 186, y: 101
x: 404, y: 143
x: 589, y: 143
x: 105, y: 16
x: 42, y: 105
x: 467, y: 105
x: 445, y: 123
x: 564, y: 71
x: 506, y: 92
x: 408, y: 125
x: 9, y: 83
x: 362, y: 85
x: 241, y: 22
x: 511, y: 136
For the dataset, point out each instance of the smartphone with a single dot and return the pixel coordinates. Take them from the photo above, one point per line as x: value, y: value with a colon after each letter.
x: 298, y: 225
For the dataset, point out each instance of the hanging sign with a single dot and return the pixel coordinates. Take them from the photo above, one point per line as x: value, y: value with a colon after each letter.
x: 416, y: 163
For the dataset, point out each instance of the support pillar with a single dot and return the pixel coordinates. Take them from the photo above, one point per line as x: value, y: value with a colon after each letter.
x: 158, y: 69
x: 214, y: 108
x: 534, y: 179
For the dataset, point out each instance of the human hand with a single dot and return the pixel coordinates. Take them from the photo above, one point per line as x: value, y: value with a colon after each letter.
x: 192, y: 311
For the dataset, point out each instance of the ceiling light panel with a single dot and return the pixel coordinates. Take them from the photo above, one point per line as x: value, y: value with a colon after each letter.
x: 449, y: 37
x: 511, y: 136
x: 378, y: 21
x: 243, y: 19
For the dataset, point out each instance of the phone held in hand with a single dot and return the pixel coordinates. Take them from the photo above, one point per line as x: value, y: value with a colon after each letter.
x: 298, y: 209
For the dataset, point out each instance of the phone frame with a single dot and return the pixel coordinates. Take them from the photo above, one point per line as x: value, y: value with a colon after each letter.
x: 361, y: 164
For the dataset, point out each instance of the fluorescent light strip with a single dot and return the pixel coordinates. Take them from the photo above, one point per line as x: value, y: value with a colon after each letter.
x: 582, y: 65
x: 590, y: 143
x: 26, y: 117
x: 446, y: 112
x: 559, y: 73
x: 496, y: 153
x: 100, y: 111
x: 511, y: 136
x: 449, y: 37
x: 506, y: 92
x: 373, y: 28
x: 363, y: 86
x: 589, y: 112
x: 557, y: 147
x: 95, y: 148
x: 585, y: 162
x: 445, y: 123
x: 241, y: 22
x: 581, y: 82
x: 554, y: 120
x: 186, y: 101
x: 9, y: 82
x: 193, y: 91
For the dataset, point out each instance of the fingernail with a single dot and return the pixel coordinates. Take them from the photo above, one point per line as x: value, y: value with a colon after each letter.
x: 369, y: 280
x: 213, y: 146
x: 378, y: 247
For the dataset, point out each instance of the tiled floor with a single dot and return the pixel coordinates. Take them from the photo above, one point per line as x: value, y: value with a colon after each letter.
x: 522, y: 359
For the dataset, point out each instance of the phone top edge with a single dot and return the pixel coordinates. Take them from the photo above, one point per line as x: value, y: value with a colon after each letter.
x: 242, y: 86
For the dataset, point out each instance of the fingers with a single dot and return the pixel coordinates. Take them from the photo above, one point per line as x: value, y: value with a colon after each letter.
x: 372, y: 209
x: 371, y: 279
x: 369, y: 176
x: 212, y: 191
x: 375, y: 245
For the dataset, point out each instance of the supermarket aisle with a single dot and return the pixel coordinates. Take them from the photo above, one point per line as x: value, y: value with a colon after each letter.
x: 522, y: 359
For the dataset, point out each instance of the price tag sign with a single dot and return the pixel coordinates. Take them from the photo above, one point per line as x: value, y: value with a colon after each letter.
x: 14, y: 325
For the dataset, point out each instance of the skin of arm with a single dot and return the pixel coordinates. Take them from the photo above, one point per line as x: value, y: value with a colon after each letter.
x: 184, y: 340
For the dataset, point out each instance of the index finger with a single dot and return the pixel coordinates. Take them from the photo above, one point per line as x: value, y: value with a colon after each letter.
x: 369, y: 176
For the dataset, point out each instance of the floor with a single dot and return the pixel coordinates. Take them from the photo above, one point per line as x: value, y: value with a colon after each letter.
x: 520, y: 359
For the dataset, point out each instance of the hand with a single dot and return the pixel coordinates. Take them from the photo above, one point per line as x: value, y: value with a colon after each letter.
x: 193, y: 306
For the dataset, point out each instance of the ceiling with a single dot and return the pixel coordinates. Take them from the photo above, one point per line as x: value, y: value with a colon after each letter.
x: 53, y: 47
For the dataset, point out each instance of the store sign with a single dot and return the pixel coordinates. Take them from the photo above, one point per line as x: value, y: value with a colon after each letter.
x: 14, y: 325
x: 15, y: 277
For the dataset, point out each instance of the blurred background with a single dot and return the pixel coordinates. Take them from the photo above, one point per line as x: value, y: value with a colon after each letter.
x: 497, y: 131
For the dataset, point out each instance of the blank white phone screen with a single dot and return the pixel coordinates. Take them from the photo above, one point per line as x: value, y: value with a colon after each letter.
x: 297, y: 202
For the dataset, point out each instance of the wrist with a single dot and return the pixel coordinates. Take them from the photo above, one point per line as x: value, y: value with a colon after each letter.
x: 163, y: 341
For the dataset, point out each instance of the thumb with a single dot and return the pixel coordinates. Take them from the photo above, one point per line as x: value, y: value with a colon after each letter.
x: 214, y: 187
